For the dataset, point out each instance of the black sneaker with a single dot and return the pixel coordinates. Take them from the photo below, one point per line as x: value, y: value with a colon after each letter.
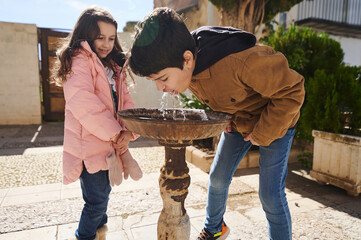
x: 206, y: 235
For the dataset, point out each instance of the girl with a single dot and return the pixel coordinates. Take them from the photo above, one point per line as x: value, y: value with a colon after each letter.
x: 89, y: 67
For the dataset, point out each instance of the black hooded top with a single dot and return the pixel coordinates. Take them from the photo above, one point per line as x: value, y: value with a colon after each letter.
x: 215, y: 43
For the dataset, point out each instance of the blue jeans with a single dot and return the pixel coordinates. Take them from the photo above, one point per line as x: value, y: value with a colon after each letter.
x: 96, y: 189
x: 272, y: 175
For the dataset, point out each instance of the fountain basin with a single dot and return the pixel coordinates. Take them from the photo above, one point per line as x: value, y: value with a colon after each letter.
x: 175, y: 124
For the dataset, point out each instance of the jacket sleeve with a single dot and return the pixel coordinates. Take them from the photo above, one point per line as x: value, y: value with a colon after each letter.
x: 84, y: 104
x: 267, y: 73
x: 126, y: 101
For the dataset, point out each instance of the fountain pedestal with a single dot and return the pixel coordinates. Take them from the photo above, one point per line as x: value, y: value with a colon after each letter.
x: 175, y: 129
x: 174, y: 180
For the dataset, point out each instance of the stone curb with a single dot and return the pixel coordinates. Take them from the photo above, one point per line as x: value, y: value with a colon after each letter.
x: 204, y: 160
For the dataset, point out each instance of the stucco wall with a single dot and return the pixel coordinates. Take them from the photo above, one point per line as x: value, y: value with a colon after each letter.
x: 143, y: 91
x: 19, y: 74
x: 352, y: 49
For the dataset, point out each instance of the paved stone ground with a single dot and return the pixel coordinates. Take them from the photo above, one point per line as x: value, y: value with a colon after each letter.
x: 36, y: 205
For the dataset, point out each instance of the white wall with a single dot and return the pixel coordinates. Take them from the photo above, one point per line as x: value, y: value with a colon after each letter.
x: 19, y: 74
x: 144, y: 92
x: 352, y: 49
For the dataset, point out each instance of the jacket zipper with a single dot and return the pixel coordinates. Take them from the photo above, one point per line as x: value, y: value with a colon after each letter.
x: 110, y: 89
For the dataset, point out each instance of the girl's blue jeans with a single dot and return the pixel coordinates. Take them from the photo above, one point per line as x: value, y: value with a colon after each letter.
x: 96, y: 189
x: 272, y: 175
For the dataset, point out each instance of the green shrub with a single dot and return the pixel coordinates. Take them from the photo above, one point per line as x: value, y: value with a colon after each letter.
x: 192, y: 102
x: 332, y: 89
x: 333, y: 102
x: 306, y: 50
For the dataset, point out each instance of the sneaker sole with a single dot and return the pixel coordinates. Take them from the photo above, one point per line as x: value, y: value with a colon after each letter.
x: 225, y: 235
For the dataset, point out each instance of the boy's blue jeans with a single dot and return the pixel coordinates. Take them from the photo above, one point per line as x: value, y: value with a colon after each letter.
x: 272, y: 175
x: 96, y: 190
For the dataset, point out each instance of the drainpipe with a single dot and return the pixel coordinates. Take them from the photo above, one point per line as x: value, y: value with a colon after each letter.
x: 344, y: 11
x: 283, y: 19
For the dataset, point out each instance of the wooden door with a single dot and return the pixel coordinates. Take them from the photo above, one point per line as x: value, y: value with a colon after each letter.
x: 52, y: 96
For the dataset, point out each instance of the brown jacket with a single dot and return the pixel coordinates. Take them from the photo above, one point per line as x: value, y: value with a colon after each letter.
x: 258, y: 87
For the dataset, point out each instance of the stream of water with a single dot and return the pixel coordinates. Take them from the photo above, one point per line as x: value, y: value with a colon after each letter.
x: 170, y: 101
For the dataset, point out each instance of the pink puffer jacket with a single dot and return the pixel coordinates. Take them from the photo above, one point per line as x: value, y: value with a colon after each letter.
x: 90, y: 122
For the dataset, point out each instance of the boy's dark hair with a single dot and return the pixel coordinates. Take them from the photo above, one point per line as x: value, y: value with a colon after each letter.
x: 160, y: 41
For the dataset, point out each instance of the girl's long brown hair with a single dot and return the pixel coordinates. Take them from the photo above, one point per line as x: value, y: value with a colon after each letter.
x: 85, y: 29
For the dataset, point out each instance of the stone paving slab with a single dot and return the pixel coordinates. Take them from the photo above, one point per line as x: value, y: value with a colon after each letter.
x: 35, y: 205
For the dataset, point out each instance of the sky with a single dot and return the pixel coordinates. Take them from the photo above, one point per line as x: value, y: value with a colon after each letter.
x: 62, y: 14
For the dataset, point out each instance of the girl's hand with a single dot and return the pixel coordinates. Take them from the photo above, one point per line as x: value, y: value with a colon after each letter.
x: 121, y: 144
x: 249, y: 138
x: 228, y: 129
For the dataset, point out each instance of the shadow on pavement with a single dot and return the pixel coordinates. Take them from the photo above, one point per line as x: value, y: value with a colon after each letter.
x: 299, y: 181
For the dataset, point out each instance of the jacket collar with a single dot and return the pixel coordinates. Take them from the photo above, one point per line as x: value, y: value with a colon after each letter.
x: 203, y: 75
x: 214, y: 43
x: 85, y: 45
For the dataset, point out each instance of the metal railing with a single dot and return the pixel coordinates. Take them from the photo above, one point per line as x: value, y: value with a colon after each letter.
x: 340, y: 11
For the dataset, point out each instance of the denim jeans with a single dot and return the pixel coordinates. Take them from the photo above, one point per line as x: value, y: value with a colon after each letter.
x: 272, y: 175
x: 96, y: 190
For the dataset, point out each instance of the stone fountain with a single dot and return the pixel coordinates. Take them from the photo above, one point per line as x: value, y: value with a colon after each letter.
x: 175, y: 129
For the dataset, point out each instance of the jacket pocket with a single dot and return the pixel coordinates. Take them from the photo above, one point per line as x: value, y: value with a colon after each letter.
x: 244, y: 122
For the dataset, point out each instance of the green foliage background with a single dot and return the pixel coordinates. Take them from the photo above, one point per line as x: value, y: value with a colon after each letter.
x: 333, y: 90
x: 272, y: 7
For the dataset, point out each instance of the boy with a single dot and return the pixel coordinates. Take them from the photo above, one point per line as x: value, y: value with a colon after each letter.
x: 226, y: 70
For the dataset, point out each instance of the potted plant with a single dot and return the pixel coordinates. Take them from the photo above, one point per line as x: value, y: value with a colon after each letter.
x: 333, y: 108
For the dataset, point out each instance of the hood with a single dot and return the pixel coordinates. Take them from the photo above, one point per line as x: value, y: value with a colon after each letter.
x: 215, y: 43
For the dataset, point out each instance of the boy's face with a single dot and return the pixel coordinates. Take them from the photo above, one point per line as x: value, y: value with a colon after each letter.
x: 173, y: 79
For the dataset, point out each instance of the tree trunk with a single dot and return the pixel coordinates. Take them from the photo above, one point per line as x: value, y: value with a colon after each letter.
x: 246, y: 15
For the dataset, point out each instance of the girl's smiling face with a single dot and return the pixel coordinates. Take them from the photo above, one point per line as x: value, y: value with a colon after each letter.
x: 104, y: 43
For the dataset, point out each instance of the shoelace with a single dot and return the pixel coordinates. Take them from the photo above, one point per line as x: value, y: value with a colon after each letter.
x: 204, y: 235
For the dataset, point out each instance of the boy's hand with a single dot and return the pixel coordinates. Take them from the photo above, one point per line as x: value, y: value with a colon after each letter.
x: 249, y: 138
x: 228, y: 129
x: 123, y: 141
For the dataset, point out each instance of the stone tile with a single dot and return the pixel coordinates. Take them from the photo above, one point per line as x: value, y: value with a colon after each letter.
x: 46, y: 233
x: 252, y: 180
x: 4, y: 192
x: 256, y: 214
x: 115, y: 224
x: 119, y: 235
x: 194, y: 231
x: 238, y: 187
x: 304, y: 205
x: 196, y: 211
x: 142, y: 220
x: 71, y: 193
x: 67, y: 231
x: 197, y: 224
x: 43, y: 150
x: 147, y: 181
x: 291, y: 195
x: 31, y: 198
x: 72, y: 185
x: 243, y: 227
x: 148, y: 232
x: 196, y: 174
x: 34, y: 189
